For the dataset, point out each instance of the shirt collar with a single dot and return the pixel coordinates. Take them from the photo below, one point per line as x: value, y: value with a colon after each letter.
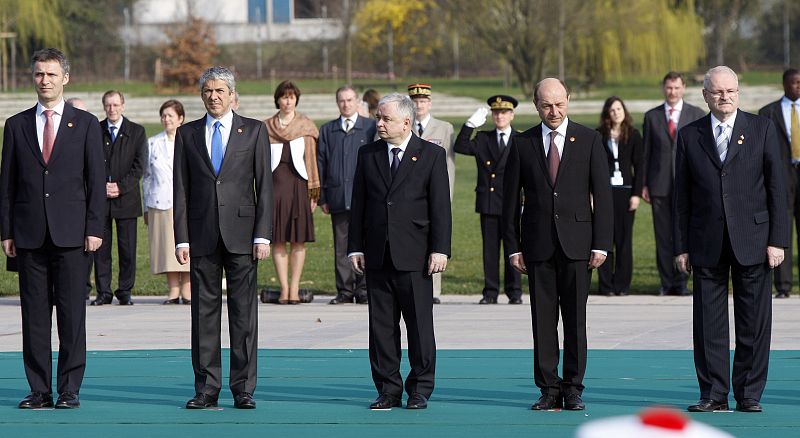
x: 226, y: 120
x: 59, y: 108
x: 562, y: 129
x: 506, y: 131
x: 730, y: 122
x: 785, y: 101
x: 352, y: 118
x: 678, y: 106
x: 118, y: 125
x: 403, y: 145
x: 425, y: 121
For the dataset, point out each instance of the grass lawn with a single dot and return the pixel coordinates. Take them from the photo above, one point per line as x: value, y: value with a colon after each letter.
x: 464, y: 274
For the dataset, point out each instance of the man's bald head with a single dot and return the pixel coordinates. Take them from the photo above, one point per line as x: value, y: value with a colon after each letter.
x: 551, y: 98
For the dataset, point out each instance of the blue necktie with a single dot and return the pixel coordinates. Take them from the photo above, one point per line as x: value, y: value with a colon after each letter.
x: 216, y: 148
x: 113, y: 130
x: 395, y: 160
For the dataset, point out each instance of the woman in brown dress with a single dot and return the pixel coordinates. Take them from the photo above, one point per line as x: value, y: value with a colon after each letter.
x: 295, y: 179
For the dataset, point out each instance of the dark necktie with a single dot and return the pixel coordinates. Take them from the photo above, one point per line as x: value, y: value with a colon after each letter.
x: 419, y: 129
x: 502, y: 143
x: 673, y: 130
x: 553, y: 160
x: 48, y: 136
x: 395, y: 160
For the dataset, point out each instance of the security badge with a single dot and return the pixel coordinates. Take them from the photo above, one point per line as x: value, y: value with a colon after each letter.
x: 616, y: 178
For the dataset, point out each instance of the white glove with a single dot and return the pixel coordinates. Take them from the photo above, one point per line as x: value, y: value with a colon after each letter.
x: 478, y: 118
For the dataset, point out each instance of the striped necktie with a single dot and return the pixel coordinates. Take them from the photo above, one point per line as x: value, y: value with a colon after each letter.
x: 722, y: 142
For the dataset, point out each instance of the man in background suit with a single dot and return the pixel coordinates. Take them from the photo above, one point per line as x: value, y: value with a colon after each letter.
x: 564, y: 230
x: 730, y: 221
x: 223, y: 212
x: 490, y: 149
x: 400, y: 235
x: 125, y: 149
x: 51, y: 216
x: 660, y: 132
x: 785, y: 114
x: 437, y: 132
x: 337, y: 152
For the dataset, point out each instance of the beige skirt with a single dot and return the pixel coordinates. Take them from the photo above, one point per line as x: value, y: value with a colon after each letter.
x: 162, y: 242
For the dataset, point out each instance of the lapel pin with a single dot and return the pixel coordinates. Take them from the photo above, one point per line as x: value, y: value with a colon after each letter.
x: 239, y: 130
x: 69, y: 125
x: 414, y: 158
x: 740, y: 141
x: 572, y: 139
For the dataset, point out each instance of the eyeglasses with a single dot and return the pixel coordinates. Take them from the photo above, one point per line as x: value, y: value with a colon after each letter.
x: 721, y: 93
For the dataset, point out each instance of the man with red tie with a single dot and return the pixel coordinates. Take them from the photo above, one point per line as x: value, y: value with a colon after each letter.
x: 51, y: 216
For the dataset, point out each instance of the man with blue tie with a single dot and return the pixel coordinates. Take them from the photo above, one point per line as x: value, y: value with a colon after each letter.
x: 223, y: 219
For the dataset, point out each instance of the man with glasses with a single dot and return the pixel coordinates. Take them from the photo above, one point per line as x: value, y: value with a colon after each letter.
x: 730, y: 221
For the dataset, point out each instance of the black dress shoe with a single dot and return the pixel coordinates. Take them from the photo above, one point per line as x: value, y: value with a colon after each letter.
x: 547, y: 402
x: 172, y: 301
x: 663, y: 292
x: 385, y: 402
x: 100, y: 301
x: 436, y: 300
x: 708, y: 405
x: 622, y: 294
x: 341, y: 299
x: 125, y: 302
x: 573, y: 402
x: 417, y: 401
x: 488, y: 300
x: 683, y: 292
x: 68, y: 400
x: 201, y: 401
x: 244, y: 400
x: 782, y: 295
x: 362, y: 299
x: 36, y: 400
x: 748, y: 405
x: 515, y: 301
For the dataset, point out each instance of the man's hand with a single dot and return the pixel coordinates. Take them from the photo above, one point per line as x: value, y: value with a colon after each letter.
x: 9, y: 248
x: 112, y: 190
x: 774, y: 256
x: 633, y: 204
x: 182, y: 254
x: 519, y: 263
x: 436, y: 263
x: 358, y: 263
x: 646, y: 194
x: 92, y: 243
x: 596, y: 259
x: 324, y: 208
x: 682, y: 263
x: 260, y: 251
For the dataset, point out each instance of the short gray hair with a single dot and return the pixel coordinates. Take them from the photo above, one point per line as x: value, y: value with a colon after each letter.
x: 405, y: 106
x: 718, y: 69
x: 218, y: 74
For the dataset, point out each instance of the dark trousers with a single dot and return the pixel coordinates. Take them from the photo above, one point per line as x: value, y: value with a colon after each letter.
x: 65, y: 268
x: 206, y: 276
x: 126, y: 251
x: 409, y: 294
x: 491, y: 231
x: 783, y: 272
x: 672, y: 280
x: 559, y: 283
x: 348, y: 283
x: 615, y: 274
x: 752, y: 305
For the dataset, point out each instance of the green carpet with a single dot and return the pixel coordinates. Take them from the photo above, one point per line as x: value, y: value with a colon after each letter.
x: 302, y: 393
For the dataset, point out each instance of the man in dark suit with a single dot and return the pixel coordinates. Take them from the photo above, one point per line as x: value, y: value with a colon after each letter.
x: 660, y: 132
x: 125, y: 150
x: 785, y: 114
x: 490, y: 149
x: 51, y: 215
x: 564, y: 230
x: 223, y: 212
x: 400, y: 235
x: 730, y: 221
x: 337, y: 152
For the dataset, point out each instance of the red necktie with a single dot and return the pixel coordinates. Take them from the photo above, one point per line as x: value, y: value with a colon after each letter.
x: 553, y: 160
x: 671, y: 125
x: 49, y: 136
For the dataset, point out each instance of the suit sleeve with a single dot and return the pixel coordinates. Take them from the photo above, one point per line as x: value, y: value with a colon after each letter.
x: 681, y: 203
x: 775, y: 183
x: 180, y: 183
x: 603, y: 215
x: 637, y: 162
x: 8, y: 181
x: 130, y: 181
x: 511, y: 200
x: 439, y: 210
x: 355, y: 232
x: 322, y: 161
x: 646, y: 139
x: 463, y: 144
x: 95, y: 175
x: 262, y: 169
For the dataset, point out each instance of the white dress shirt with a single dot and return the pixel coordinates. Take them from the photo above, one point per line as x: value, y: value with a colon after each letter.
x: 343, y: 119
x: 225, y: 130
x: 562, y: 135
x: 506, y: 135
x: 728, y: 130
x: 676, y: 113
x: 423, y: 122
x: 41, y: 119
x: 118, y: 125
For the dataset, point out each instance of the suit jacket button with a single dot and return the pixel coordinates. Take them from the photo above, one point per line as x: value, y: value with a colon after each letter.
x: 494, y: 176
x: 555, y: 194
x: 46, y: 195
x: 46, y: 172
x: 556, y: 216
x: 724, y: 174
x: 389, y: 203
x: 488, y: 163
x: 491, y: 189
x: 219, y: 182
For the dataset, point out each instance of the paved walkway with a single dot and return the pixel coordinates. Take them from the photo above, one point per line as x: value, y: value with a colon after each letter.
x: 615, y: 323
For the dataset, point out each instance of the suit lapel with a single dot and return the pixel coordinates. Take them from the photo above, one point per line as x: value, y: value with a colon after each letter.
x: 538, y: 150
x: 382, y: 161
x: 661, y: 119
x: 494, y: 146
x: 708, y: 142
x: 777, y: 117
x: 569, y: 149
x: 737, y: 136
x: 504, y: 155
x: 31, y: 136
x: 410, y: 157
x: 237, y: 135
x: 199, y: 141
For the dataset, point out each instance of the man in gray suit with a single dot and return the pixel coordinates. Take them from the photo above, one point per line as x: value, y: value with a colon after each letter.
x: 660, y: 131
x: 337, y: 153
x: 437, y: 132
x: 223, y: 212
